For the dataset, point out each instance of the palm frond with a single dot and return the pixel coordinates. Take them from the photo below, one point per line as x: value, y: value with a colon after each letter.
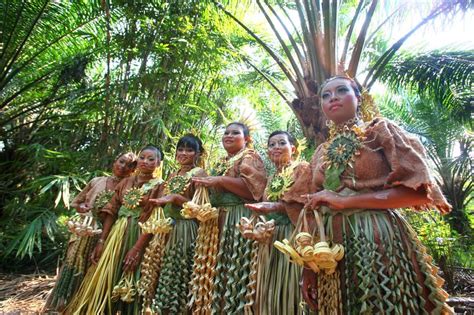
x: 31, y: 238
x: 446, y: 76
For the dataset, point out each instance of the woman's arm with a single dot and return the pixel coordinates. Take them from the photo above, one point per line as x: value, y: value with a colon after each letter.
x: 134, y: 255
x: 262, y: 208
x: 175, y: 199
x: 397, y: 197
x: 79, y: 202
x: 234, y: 185
x: 108, y: 221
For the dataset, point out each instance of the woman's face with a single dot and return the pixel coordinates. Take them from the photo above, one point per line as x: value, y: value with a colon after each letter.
x: 148, y: 161
x: 123, y: 166
x: 339, y: 101
x: 234, y: 139
x: 186, y: 156
x: 280, y: 150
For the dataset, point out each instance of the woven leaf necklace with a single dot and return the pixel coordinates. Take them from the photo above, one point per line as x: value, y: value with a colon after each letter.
x: 280, y: 182
x: 340, y: 152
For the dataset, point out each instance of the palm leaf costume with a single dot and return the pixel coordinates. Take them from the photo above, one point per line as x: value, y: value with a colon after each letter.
x: 98, y: 293
x: 234, y: 257
x: 385, y: 268
x: 278, y: 289
x: 97, y: 193
x: 175, y: 273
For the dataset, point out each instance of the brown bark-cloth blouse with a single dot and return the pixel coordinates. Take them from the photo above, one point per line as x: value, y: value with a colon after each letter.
x: 390, y: 157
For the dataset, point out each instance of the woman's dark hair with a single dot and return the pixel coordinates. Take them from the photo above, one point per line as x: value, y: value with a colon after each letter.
x: 354, y: 84
x: 190, y: 141
x: 241, y: 125
x: 150, y: 147
x: 291, y: 139
x: 129, y: 155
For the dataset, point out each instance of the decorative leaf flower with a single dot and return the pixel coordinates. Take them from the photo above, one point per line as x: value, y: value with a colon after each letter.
x: 102, y: 199
x: 340, y: 153
x: 280, y: 183
x: 177, y: 185
x: 132, y: 198
x: 221, y: 167
x: 342, y: 149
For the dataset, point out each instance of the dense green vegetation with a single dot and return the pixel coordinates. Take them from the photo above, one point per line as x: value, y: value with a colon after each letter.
x: 81, y: 81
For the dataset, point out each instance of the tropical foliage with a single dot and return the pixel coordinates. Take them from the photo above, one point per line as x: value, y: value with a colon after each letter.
x: 438, y: 113
x: 81, y: 81
x: 332, y: 37
x: 431, y: 95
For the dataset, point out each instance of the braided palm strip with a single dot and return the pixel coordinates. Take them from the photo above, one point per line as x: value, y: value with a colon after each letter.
x: 64, y: 280
x: 243, y: 272
x: 363, y: 269
x: 150, y: 268
x: 350, y: 269
x: 327, y: 293
x: 186, y: 277
x: 252, y: 285
x: 172, y: 290
x: 377, y: 268
x: 81, y: 264
x: 162, y: 295
x: 72, y: 273
x: 198, y: 268
x: 237, y: 263
x: 60, y: 289
x: 389, y: 272
x: 411, y: 295
x: 334, y: 289
x: 233, y: 295
x: 207, y: 280
x: 221, y: 276
x: 197, y: 283
x: 368, y: 281
x: 179, y: 262
x: 81, y: 261
x: 437, y: 295
x: 385, y: 273
x: 397, y: 283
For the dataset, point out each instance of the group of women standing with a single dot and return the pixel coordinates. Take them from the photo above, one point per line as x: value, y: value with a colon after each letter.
x: 334, y: 223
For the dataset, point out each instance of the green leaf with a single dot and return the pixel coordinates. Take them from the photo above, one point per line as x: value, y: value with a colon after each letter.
x: 332, y: 180
x: 48, y: 186
x: 66, y: 192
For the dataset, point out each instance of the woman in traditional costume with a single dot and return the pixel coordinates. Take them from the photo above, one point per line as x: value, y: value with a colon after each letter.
x: 363, y: 173
x: 175, y: 270
x: 238, y: 179
x: 278, y: 288
x: 85, y: 230
x: 111, y: 285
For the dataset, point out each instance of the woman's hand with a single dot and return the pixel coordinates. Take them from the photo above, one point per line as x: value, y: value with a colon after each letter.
x: 326, y: 198
x: 83, y: 208
x: 160, y: 202
x: 143, y: 201
x: 262, y: 208
x: 308, y: 288
x: 97, y: 252
x: 132, y: 259
x: 209, y: 181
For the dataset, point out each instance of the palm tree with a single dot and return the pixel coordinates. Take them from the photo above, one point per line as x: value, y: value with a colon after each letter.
x: 45, y: 46
x: 446, y: 76
x: 438, y: 108
x: 320, y: 47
